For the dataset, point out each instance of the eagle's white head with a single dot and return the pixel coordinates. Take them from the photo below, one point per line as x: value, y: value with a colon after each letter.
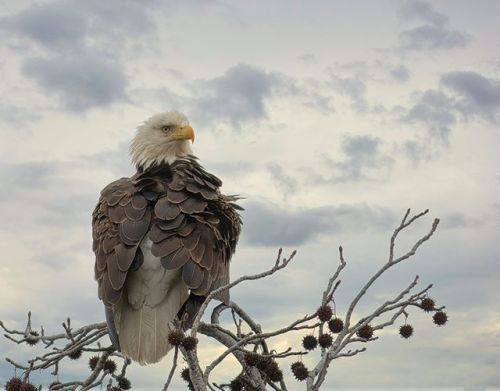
x: 161, y: 139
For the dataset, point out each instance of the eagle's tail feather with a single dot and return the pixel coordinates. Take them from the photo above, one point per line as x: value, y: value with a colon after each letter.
x: 144, y: 331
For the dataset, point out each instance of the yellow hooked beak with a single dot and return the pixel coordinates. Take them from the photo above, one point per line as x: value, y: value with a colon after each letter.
x: 183, y: 133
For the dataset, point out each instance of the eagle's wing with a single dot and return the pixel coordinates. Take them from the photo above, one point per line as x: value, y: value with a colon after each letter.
x: 120, y: 222
x: 195, y: 228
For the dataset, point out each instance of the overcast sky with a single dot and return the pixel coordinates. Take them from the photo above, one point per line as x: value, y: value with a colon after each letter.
x: 330, y: 117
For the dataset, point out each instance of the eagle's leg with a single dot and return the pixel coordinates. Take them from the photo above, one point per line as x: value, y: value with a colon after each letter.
x: 189, y: 310
x: 113, y: 334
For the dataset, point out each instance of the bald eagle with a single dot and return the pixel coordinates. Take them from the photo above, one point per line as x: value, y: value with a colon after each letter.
x: 162, y: 238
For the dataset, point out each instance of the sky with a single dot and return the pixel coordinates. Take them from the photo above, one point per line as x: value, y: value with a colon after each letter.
x: 331, y: 118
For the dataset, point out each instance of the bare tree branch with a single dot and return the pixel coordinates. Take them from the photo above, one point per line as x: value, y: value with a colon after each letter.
x: 244, y: 338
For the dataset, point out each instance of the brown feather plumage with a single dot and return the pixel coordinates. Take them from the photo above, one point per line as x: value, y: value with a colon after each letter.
x: 179, y: 207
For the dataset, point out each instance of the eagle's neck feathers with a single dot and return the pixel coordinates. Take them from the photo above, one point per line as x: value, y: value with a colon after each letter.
x: 147, y: 153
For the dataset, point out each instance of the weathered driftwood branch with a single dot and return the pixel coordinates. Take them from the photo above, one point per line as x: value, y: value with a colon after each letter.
x: 244, y: 338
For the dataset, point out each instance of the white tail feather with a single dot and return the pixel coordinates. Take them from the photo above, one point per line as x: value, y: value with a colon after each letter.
x: 151, y: 303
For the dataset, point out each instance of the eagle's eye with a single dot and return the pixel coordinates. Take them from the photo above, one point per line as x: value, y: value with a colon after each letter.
x: 167, y: 128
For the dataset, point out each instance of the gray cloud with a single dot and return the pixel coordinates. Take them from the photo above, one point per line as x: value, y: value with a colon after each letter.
x: 241, y: 95
x: 116, y: 160
x: 19, y: 176
x: 459, y: 220
x: 134, y: 17
x: 361, y: 152
x: 479, y: 95
x: 42, y: 193
x: 431, y: 38
x: 436, y: 111
x: 268, y: 224
x: 422, y: 11
x: 362, y: 157
x: 83, y: 41
x: 307, y: 58
x: 80, y: 83
x: 238, y: 95
x: 354, y: 89
x: 17, y: 116
x: 358, y: 69
x: 68, y: 24
x: 417, y: 150
x: 282, y: 180
x: 400, y: 73
x: 53, y: 25
x: 433, y: 34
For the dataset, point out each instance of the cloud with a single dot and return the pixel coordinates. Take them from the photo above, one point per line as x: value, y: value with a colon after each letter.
x: 52, y: 25
x: 282, y: 180
x: 238, y: 96
x: 267, y: 224
x: 116, y: 161
x: 361, y: 152
x: 468, y: 95
x: 82, y: 42
x: 16, y: 115
x: 433, y: 34
x: 69, y: 24
x: 363, y: 156
x: 354, y: 89
x: 459, y: 220
x: 436, y: 111
x: 401, y: 74
x: 242, y: 93
x: 422, y: 11
x: 47, y: 194
x: 479, y: 95
x: 432, y: 38
x: 307, y: 58
x: 81, y: 82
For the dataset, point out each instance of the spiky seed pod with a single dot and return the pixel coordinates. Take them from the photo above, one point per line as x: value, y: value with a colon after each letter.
x: 300, y: 371
x: 276, y: 376
x: 365, y: 332
x: 406, y: 331
x: 93, y: 362
x: 185, y: 375
x: 427, y: 304
x: 264, y: 364
x: 123, y: 383
x: 32, y: 338
x: 324, y: 313
x: 296, y: 364
x: 440, y: 318
x: 272, y: 367
x: 252, y: 359
x: 75, y: 354
x: 56, y: 385
x: 14, y: 384
x: 176, y: 337
x: 236, y: 385
x: 28, y: 387
x: 336, y: 325
x: 110, y: 366
x: 189, y: 343
x: 309, y: 342
x: 114, y: 389
x: 325, y: 340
